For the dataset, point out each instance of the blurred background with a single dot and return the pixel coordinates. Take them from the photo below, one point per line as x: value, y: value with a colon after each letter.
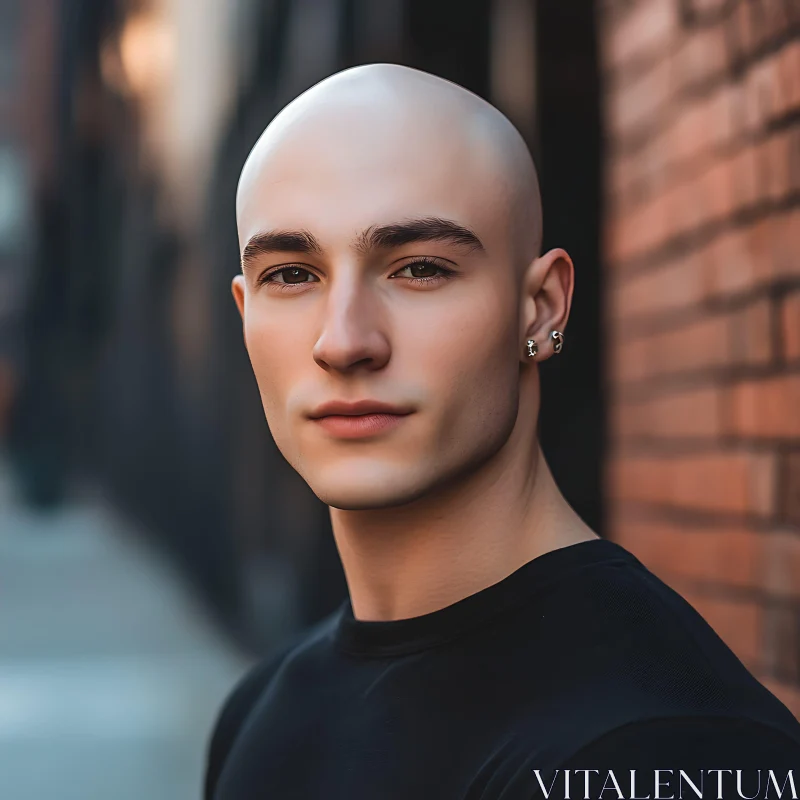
x: 153, y: 541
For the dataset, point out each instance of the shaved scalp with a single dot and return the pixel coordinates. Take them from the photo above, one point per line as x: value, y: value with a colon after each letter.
x: 403, y: 107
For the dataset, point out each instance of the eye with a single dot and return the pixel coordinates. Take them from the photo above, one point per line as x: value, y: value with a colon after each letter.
x: 425, y: 265
x: 290, y: 276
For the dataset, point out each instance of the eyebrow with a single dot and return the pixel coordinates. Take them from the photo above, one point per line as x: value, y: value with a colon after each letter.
x: 423, y: 229
x: 279, y: 242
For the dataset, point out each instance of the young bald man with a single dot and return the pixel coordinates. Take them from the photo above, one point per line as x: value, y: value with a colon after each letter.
x: 395, y: 307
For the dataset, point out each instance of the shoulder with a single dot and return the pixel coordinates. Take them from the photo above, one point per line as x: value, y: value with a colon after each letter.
x: 636, y: 629
x: 629, y: 649
x: 690, y: 742
x: 241, y: 698
x: 244, y: 696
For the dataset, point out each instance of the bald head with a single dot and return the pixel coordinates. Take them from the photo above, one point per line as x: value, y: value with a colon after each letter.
x: 397, y: 136
x: 390, y: 227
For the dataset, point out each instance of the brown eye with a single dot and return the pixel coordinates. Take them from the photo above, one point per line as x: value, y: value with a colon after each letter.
x: 294, y: 275
x: 289, y: 276
x: 423, y: 270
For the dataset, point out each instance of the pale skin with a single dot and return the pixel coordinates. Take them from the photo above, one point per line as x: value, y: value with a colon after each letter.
x: 459, y: 495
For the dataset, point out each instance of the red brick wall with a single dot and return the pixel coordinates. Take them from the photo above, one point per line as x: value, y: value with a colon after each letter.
x: 702, y: 254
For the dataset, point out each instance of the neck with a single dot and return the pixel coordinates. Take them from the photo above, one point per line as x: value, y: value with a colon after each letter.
x: 414, y: 559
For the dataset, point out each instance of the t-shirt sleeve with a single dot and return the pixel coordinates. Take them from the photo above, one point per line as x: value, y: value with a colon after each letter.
x: 233, y: 713
x: 695, y: 745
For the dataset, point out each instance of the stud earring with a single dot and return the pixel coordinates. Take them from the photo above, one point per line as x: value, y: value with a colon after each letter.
x: 558, y: 339
x: 533, y: 349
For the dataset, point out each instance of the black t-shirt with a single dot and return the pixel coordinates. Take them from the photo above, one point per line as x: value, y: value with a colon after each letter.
x: 581, y: 659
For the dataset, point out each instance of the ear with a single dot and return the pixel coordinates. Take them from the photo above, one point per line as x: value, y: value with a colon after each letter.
x: 546, y: 299
x: 237, y: 288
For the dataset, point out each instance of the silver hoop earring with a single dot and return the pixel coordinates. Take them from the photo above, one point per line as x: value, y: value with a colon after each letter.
x: 533, y: 349
x: 558, y: 339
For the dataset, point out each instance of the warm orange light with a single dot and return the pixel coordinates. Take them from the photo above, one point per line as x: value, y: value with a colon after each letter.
x: 146, y: 53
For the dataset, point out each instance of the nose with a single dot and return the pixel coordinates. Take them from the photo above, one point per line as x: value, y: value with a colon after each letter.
x: 352, y: 336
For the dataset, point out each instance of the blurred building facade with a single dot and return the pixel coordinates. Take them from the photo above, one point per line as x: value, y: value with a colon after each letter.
x: 702, y: 261
x: 15, y: 212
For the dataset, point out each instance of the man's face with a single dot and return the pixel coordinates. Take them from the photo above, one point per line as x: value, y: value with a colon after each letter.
x: 430, y: 325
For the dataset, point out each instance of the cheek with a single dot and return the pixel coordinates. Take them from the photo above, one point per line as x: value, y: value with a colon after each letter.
x: 472, y: 360
x: 274, y: 354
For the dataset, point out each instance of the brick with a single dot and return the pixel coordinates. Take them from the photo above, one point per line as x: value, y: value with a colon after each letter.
x: 773, y: 166
x: 782, y: 162
x: 721, y: 117
x: 689, y: 134
x: 765, y: 408
x: 751, y: 333
x: 760, y: 238
x: 740, y: 34
x: 630, y: 362
x: 708, y: 7
x: 737, y: 108
x: 763, y: 157
x: 745, y: 179
x: 694, y: 413
x: 725, y: 556
x: 775, y: 93
x: 645, y: 29
x: 657, y: 170
x: 737, y: 482
x: 776, y: 18
x: 708, y: 196
x: 792, y: 162
x: 788, y: 77
x: 642, y: 229
x: 784, y: 252
x: 764, y: 251
x: 755, y: 23
x: 684, y: 203
x: 700, y: 345
x: 779, y: 101
x: 732, y: 263
x: 727, y: 185
x: 636, y: 105
x: 790, y: 484
x: 700, y: 57
x: 790, y: 327
x: 758, y: 97
x: 781, y: 563
x: 675, y: 286
x: 737, y: 338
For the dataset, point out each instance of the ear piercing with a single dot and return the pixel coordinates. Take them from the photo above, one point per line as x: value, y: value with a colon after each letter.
x: 558, y: 343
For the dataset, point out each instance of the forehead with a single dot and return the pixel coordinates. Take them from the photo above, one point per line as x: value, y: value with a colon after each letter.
x: 340, y: 175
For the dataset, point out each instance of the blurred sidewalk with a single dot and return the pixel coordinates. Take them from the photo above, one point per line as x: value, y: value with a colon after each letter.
x: 110, y: 677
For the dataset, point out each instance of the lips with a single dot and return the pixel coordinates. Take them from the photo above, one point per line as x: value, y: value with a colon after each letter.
x: 359, y: 426
x: 360, y: 419
x: 342, y: 408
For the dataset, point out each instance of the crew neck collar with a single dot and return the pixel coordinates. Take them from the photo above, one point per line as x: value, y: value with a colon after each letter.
x: 386, y: 638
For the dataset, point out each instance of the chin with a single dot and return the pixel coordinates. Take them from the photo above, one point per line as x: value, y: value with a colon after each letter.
x: 369, y: 492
